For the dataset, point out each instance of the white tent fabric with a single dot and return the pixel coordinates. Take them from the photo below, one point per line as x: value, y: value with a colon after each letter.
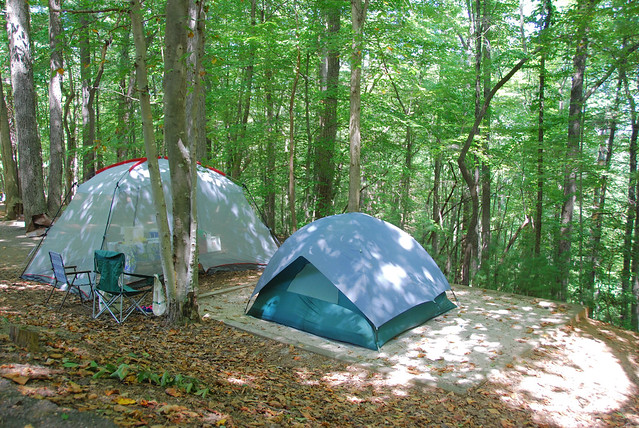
x: 114, y: 211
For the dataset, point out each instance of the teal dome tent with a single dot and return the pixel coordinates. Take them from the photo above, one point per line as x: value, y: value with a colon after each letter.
x: 351, y: 278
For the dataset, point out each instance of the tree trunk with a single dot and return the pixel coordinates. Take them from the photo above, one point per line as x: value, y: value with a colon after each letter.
x: 149, y: 143
x: 71, y: 162
x: 202, y: 152
x: 436, y: 212
x: 182, y: 305
x: 9, y: 168
x: 630, y: 290
x: 358, y: 11
x: 599, y: 202
x: 548, y: 12
x: 127, y: 82
x: 486, y: 66
x: 470, y: 179
x: 291, y: 145
x: 56, y: 131
x: 573, y: 153
x: 325, y: 145
x: 236, y: 151
x: 268, y: 172
x: 540, y: 155
x: 29, y: 146
x: 88, y: 117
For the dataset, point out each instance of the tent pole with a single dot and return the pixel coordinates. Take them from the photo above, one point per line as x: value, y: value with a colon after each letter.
x: 277, y: 241
x: 108, y: 222
x: 33, y: 252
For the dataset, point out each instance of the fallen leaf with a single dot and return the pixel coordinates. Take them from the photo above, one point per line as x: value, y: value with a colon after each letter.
x: 173, y: 392
x: 17, y: 378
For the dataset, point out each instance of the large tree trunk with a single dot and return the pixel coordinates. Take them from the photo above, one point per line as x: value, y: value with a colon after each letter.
x: 358, y: 11
x: 631, y: 236
x: 9, y: 168
x: 573, y: 153
x: 183, y: 305
x: 56, y: 130
x: 325, y: 145
x: 29, y: 147
x: 548, y: 12
x: 157, y: 191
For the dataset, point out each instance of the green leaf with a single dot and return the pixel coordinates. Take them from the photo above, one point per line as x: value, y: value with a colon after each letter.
x: 121, y: 372
x: 202, y: 392
x: 166, y: 379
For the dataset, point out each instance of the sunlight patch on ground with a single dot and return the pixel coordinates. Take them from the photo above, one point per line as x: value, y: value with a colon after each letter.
x: 570, y: 381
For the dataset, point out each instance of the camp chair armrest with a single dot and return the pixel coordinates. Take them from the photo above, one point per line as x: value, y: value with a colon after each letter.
x: 70, y: 267
x: 144, y: 281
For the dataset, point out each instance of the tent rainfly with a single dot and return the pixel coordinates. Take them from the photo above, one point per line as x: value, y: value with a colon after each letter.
x: 114, y: 211
x: 351, y: 278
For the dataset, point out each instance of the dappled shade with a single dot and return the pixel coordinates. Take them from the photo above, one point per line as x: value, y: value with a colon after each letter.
x: 352, y: 278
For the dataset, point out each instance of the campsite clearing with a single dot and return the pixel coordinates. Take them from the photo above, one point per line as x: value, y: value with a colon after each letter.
x: 580, y: 375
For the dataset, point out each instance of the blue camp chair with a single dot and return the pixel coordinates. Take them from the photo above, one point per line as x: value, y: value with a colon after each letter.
x: 112, y: 293
x: 66, y: 276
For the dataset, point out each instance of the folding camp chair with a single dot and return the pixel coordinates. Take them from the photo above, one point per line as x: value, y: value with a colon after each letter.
x: 111, y: 292
x: 66, y: 276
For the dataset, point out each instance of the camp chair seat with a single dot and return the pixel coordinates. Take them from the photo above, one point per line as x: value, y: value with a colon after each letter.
x: 66, y: 276
x: 111, y: 293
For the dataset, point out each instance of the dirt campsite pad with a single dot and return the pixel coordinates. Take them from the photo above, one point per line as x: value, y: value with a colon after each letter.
x: 455, y: 351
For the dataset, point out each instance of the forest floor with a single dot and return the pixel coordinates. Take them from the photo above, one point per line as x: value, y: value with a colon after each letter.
x: 67, y: 369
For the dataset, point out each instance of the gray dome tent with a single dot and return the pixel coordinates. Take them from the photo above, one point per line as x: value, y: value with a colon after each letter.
x: 352, y: 278
x: 114, y: 211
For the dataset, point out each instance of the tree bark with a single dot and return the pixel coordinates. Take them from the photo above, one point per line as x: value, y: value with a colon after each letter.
x: 157, y: 191
x: 182, y: 305
x: 630, y: 290
x: 486, y: 180
x: 9, y: 169
x: 572, y: 151
x: 56, y: 130
x: 469, y: 178
x: 328, y: 122
x: 88, y: 116
x: 358, y: 11
x: 29, y: 146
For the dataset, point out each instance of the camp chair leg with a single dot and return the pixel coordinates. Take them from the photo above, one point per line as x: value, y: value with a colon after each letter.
x: 119, y: 315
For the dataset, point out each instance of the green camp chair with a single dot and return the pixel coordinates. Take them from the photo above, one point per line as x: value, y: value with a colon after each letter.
x: 65, y: 276
x: 112, y: 293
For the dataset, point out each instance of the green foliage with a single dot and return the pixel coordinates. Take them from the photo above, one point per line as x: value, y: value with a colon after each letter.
x: 124, y: 371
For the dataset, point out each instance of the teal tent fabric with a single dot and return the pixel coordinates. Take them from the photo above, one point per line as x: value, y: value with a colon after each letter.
x: 352, y: 278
